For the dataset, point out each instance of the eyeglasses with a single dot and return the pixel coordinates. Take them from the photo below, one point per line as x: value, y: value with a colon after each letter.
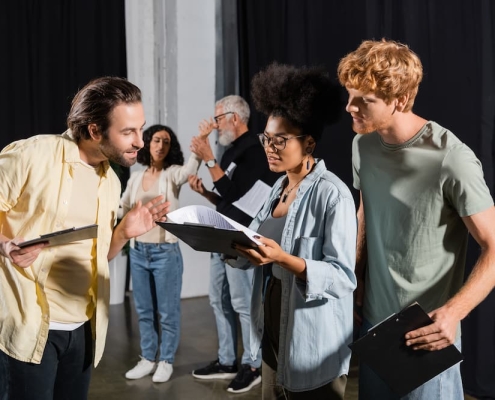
x: 278, y: 142
x: 218, y: 117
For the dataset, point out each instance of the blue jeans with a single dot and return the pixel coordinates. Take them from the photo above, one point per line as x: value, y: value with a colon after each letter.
x: 156, y: 270
x: 64, y: 372
x: 445, y: 386
x: 230, y: 293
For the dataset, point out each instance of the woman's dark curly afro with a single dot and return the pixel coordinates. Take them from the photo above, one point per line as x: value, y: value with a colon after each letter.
x: 305, y: 96
x: 174, y: 156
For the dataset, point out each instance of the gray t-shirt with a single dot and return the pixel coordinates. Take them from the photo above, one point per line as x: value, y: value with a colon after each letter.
x: 414, y: 196
x: 273, y: 228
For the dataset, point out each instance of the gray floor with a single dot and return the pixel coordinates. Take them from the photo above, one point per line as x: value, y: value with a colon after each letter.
x: 198, y: 347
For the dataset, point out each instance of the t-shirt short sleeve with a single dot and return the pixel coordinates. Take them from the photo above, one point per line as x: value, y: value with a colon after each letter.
x: 463, y: 183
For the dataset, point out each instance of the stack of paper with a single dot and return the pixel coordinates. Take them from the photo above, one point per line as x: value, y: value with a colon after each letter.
x: 205, y: 229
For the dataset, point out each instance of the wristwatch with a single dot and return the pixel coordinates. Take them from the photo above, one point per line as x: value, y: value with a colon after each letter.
x: 210, y: 163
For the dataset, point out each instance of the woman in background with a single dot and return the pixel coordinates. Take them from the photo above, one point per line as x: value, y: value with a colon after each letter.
x: 155, y: 257
x: 302, y: 299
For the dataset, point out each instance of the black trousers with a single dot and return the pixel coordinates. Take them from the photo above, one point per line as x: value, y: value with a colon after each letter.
x: 269, y: 350
x: 64, y: 372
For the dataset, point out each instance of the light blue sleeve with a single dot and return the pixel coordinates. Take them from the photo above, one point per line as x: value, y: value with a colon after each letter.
x: 330, y: 259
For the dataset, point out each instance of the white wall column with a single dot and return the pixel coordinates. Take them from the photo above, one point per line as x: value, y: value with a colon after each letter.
x: 171, y: 57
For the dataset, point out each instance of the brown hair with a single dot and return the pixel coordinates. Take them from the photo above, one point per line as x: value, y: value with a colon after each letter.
x: 174, y: 156
x: 95, y: 101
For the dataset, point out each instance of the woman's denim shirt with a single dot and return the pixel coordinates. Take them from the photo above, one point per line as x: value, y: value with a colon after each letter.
x: 316, y: 320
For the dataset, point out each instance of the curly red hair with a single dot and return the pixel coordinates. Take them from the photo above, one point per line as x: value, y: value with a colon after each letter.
x: 387, y: 68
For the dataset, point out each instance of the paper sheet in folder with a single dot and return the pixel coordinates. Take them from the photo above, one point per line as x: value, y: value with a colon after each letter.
x: 208, y: 238
x: 384, y: 350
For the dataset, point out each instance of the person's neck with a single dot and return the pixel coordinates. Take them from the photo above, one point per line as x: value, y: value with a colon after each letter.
x: 404, y: 128
x: 89, y: 153
x: 297, y: 175
x: 155, y: 168
x: 240, y: 130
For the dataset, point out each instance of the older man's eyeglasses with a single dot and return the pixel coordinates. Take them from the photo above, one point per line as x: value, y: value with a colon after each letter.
x: 278, y: 142
x: 217, y: 118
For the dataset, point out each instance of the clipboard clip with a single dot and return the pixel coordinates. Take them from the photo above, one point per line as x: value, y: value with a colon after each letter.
x: 48, y: 235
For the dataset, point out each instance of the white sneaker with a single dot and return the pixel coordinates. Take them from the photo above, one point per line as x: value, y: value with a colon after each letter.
x: 143, y: 368
x: 163, y: 372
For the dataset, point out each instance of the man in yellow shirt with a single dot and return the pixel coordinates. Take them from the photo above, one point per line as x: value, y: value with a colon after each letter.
x: 54, y: 300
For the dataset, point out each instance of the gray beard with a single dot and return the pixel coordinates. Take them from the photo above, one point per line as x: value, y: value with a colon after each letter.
x: 226, y: 138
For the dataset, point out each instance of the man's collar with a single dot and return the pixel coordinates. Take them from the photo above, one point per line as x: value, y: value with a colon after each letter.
x: 71, y: 151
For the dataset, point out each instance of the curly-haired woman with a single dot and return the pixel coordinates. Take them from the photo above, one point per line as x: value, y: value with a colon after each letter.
x: 155, y: 257
x: 302, y: 296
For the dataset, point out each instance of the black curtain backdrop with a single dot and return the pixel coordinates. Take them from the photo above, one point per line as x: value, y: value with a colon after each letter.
x: 50, y: 49
x: 455, y: 40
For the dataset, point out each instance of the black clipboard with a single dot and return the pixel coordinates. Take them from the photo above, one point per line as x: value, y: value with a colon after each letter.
x: 384, y: 350
x: 208, y: 238
x: 64, y: 236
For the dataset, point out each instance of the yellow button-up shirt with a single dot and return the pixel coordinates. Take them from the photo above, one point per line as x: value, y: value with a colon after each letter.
x: 36, y: 178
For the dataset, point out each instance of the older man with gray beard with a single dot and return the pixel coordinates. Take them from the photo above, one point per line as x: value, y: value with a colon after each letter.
x: 242, y: 165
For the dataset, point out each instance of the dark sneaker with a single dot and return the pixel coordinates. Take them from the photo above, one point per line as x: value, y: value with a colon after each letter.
x: 245, y: 380
x: 215, y: 370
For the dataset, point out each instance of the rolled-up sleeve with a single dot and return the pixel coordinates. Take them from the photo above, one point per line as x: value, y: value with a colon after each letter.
x: 330, y: 259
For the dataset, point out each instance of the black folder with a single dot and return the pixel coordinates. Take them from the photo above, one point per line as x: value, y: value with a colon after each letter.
x: 64, y: 236
x: 208, y: 238
x: 384, y: 350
